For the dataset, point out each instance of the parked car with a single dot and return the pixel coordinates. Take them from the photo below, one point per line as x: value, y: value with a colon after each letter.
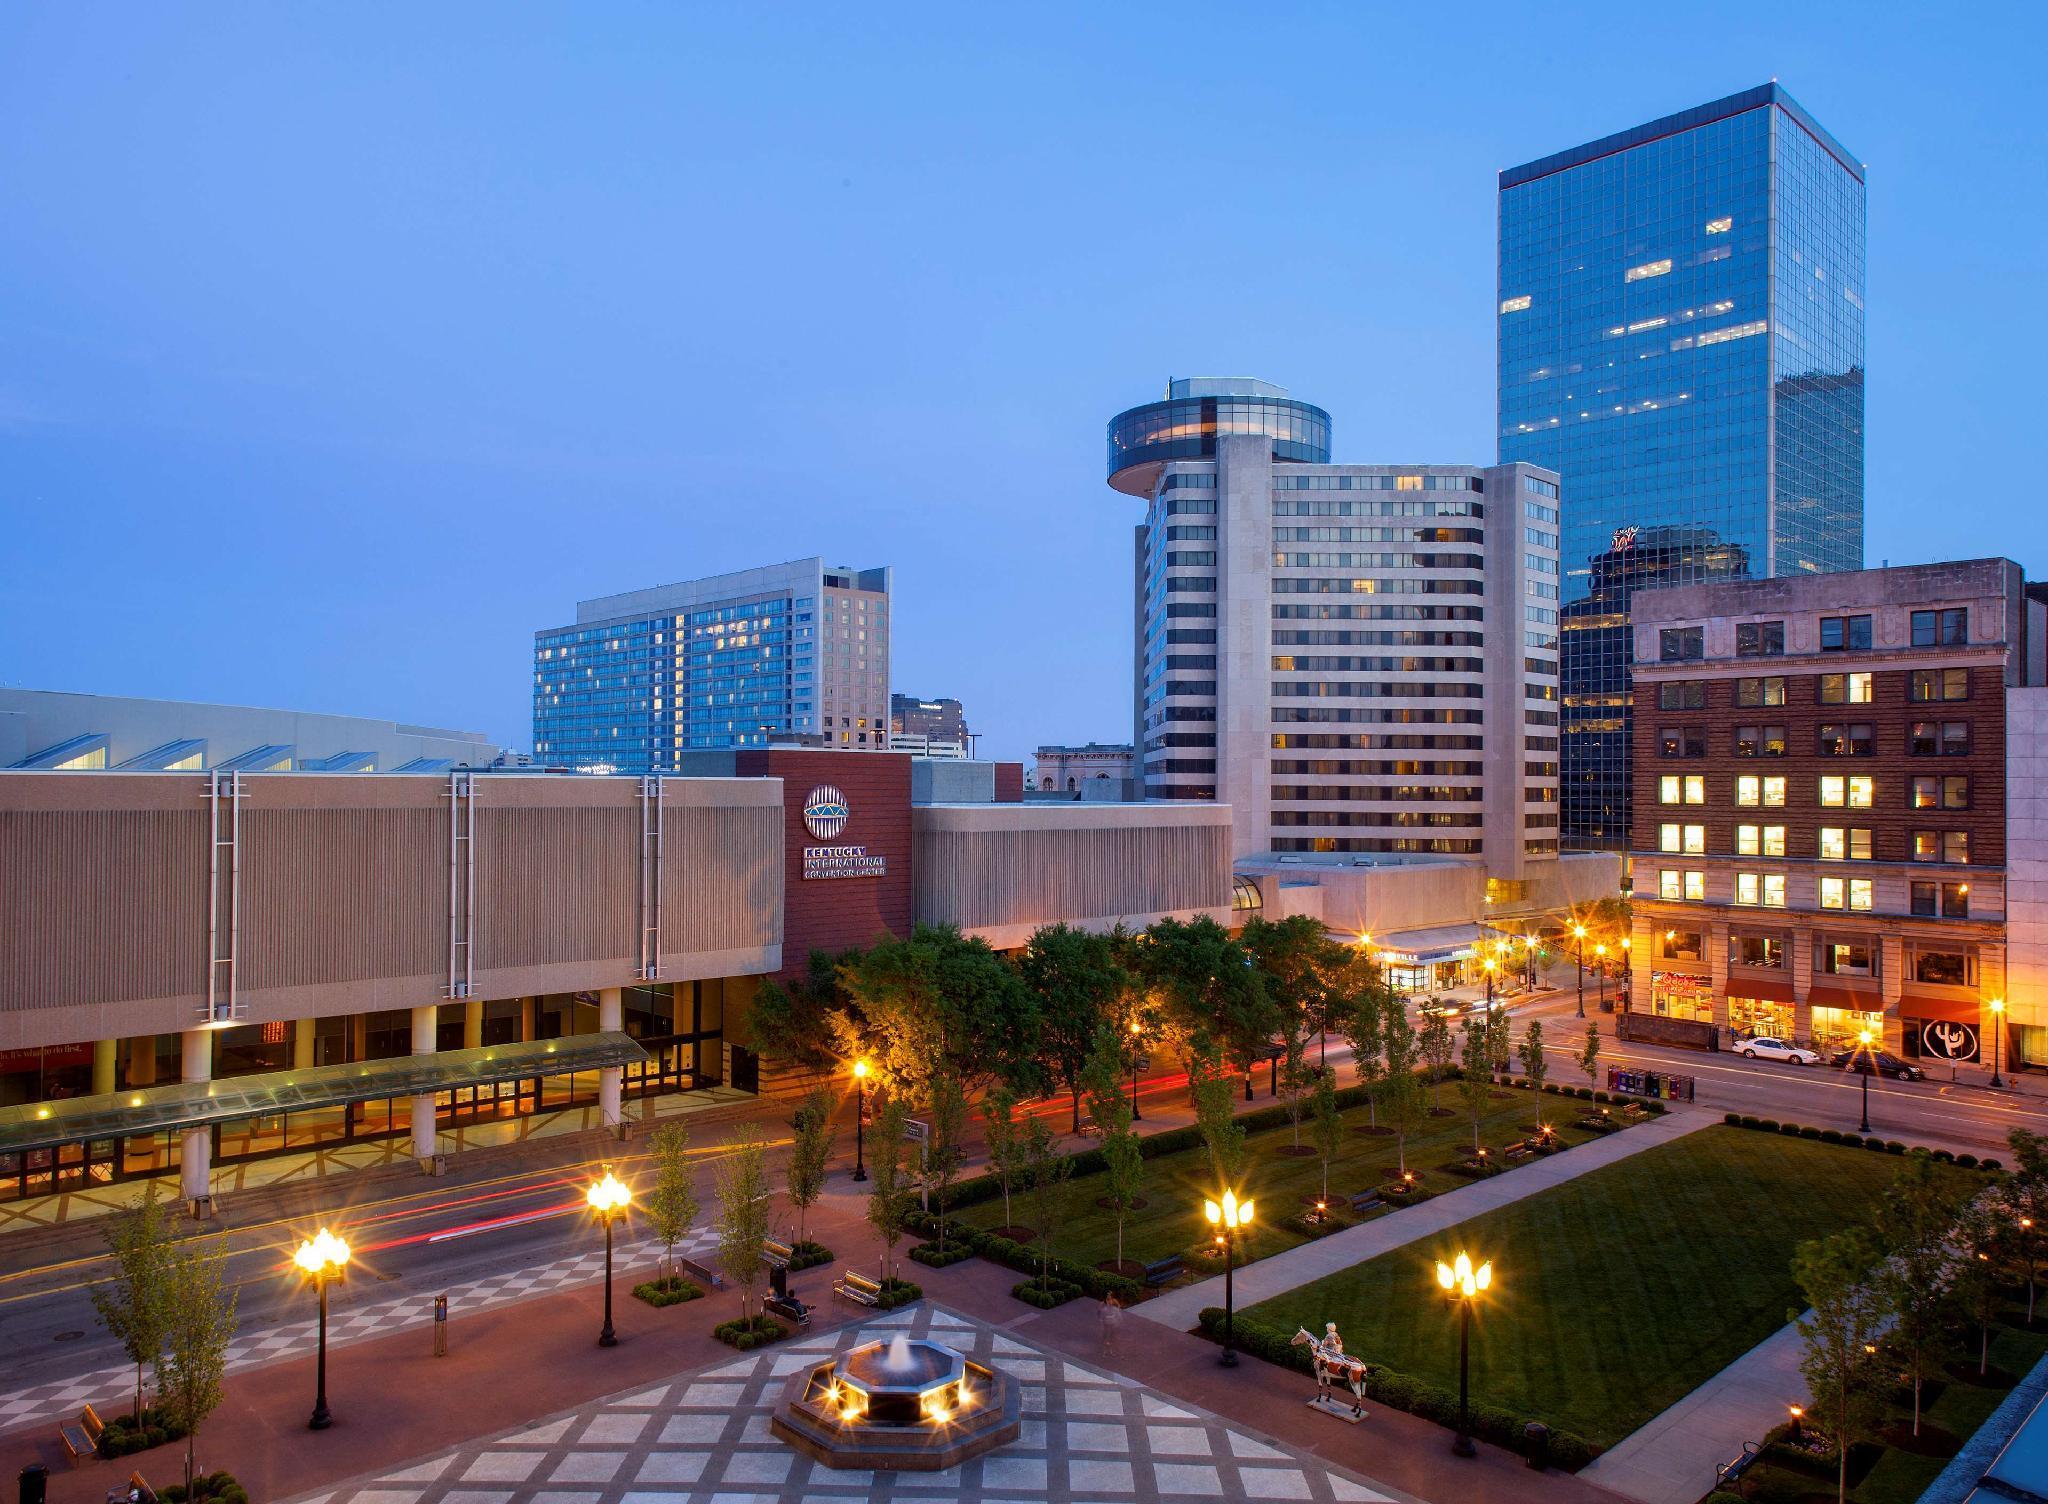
x: 1860, y: 1061
x: 1763, y: 1047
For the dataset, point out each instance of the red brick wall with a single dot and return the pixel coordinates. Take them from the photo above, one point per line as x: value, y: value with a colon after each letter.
x: 835, y: 913
x: 1009, y: 783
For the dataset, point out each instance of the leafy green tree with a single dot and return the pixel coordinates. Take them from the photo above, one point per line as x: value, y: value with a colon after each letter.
x: 1589, y: 1054
x: 1915, y: 1219
x: 1433, y: 1043
x: 1216, y: 1117
x: 810, y: 1153
x: 1328, y: 1130
x: 199, y: 1324
x: 672, y: 1202
x: 1213, y: 998
x: 1047, y: 1172
x: 1401, y: 1099
x: 132, y: 1306
x: 1533, y: 1065
x: 1474, y: 1087
x: 1004, y: 1137
x: 1498, y: 1047
x: 742, y: 1179
x: 941, y: 1003
x: 946, y: 1151
x: 1362, y: 1026
x: 1305, y: 972
x: 804, y: 1022
x: 1845, y: 1319
x: 886, y: 1199
x: 1075, y: 978
x: 1123, y: 1161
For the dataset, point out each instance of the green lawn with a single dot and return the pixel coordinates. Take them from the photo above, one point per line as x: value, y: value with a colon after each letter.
x: 1279, y: 1186
x: 1617, y: 1293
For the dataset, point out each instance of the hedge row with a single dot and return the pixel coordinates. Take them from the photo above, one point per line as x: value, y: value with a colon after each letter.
x: 1025, y: 1259
x: 1504, y: 1428
x: 1855, y: 1140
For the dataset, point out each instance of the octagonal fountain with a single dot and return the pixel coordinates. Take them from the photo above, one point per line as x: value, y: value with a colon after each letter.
x: 907, y: 1403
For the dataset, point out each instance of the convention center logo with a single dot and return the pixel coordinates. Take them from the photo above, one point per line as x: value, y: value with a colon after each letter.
x: 825, y: 812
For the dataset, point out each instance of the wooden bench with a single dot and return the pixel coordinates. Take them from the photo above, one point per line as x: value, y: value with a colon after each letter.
x: 789, y: 1308
x: 776, y: 1255
x: 1727, y: 1472
x: 859, y: 1289
x: 81, y: 1437
x: 137, y: 1491
x: 709, y: 1278
x: 1163, y: 1271
x: 1365, y: 1201
x: 1521, y: 1150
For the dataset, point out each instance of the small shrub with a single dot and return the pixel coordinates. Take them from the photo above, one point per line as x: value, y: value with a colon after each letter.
x: 123, y: 1434
x: 1809, y: 1132
x: 207, y: 1488
x: 1829, y: 1136
x: 1967, y: 1161
x: 1583, y: 1093
x: 755, y: 1331
x: 1045, y: 1294
x: 1989, y: 1164
x: 1768, y: 1125
x: 898, y: 1292
x: 809, y: 1255
x: 1944, y: 1156
x: 934, y: 1257
x: 1732, y: 1119
x: 1893, y: 1146
x: 1789, y: 1130
x: 669, y: 1290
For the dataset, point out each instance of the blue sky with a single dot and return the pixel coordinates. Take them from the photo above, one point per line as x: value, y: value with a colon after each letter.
x: 342, y: 347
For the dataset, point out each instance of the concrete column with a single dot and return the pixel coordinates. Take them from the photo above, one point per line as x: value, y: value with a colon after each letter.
x: 611, y: 1017
x: 302, y: 1044
x: 142, y: 1061
x: 1801, y: 961
x: 425, y: 1034
x: 195, y: 1151
x: 1717, y: 968
x: 472, y: 1026
x: 527, y: 1008
x: 1894, y: 990
x: 103, y: 1055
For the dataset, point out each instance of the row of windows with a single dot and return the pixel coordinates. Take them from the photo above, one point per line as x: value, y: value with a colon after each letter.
x: 1313, y: 508
x: 1929, y: 791
x: 1378, y: 793
x: 1351, y: 664
x: 1833, y: 844
x: 1376, y: 561
x: 1378, y: 587
x: 1945, y: 627
x: 1378, y: 483
x: 1923, y: 739
x: 1379, y: 535
x: 1926, y: 900
x: 1923, y: 686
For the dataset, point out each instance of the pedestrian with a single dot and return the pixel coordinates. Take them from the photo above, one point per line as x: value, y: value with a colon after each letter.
x: 1112, y: 1319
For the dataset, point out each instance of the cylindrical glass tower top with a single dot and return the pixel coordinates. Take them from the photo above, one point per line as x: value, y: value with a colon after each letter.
x: 1185, y: 427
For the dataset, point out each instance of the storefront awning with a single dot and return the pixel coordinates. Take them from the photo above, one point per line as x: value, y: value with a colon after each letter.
x: 1841, y: 997
x: 1451, y: 942
x: 1954, y: 1010
x: 1763, y: 989
x: 197, y: 1104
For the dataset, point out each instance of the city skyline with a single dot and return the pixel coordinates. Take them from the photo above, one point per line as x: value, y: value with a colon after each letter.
x: 330, y: 374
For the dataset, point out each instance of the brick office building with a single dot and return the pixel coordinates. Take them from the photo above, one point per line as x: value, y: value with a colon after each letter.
x: 1821, y: 804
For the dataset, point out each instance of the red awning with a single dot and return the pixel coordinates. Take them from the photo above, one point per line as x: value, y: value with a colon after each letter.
x: 1763, y: 989
x: 1841, y: 997
x: 1954, y: 1010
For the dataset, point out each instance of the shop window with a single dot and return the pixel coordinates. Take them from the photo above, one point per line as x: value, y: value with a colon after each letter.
x: 1757, y: 950
x: 1941, y: 968
x: 1682, y: 694
x: 1682, y: 994
x: 1927, y: 685
x: 1849, y: 958
x: 1682, y: 945
x: 1759, y: 741
x: 1843, y: 1028
x: 1753, y: 693
x: 1760, y: 639
x: 1750, y: 1016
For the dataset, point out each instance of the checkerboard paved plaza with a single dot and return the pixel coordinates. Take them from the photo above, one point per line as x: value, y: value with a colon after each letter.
x: 1088, y: 1436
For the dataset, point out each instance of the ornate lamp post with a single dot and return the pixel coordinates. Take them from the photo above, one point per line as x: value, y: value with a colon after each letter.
x: 1579, y: 952
x: 609, y: 1199
x: 1137, y: 1033
x: 321, y: 1258
x: 1464, y: 1285
x: 1869, y: 1069
x: 1997, y: 1038
x: 1229, y: 1217
x: 860, y: 1112
x: 1491, y: 964
x: 1628, y: 966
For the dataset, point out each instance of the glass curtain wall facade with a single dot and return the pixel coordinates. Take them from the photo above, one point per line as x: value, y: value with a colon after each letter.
x: 1681, y: 338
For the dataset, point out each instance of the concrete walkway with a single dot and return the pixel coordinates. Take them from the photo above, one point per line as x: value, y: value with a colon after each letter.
x: 1180, y: 1309
x: 1671, y: 1459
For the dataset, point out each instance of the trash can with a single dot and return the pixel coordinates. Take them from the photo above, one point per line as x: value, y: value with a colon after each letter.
x: 35, y: 1483
x: 1536, y: 1444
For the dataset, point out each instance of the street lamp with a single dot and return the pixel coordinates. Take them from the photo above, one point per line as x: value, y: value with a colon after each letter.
x: 1798, y: 1412
x: 1137, y: 1032
x: 1628, y: 964
x: 609, y: 1199
x: 1869, y: 1067
x: 1579, y: 934
x: 1997, y: 1037
x: 860, y: 1111
x: 1230, y: 1217
x: 1490, y: 965
x: 2027, y: 1244
x: 1463, y: 1284
x: 321, y: 1258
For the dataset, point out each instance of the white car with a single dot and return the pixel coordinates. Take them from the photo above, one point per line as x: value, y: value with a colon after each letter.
x: 1763, y: 1047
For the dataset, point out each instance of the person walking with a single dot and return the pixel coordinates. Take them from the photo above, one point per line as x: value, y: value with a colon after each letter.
x: 1112, y: 1321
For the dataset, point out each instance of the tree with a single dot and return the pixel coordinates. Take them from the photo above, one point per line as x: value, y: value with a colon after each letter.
x: 1002, y: 1134
x: 1075, y: 979
x: 1473, y: 1085
x: 1433, y: 1042
x: 945, y: 1152
x: 804, y: 1022
x: 742, y: 1212
x: 1123, y: 1161
x: 199, y: 1323
x: 2026, y: 1192
x: 1533, y: 1067
x: 1046, y: 1172
x: 1845, y: 1320
x: 885, y: 1176
x: 672, y: 1203
x: 1362, y: 1029
x: 1914, y: 1219
x: 1401, y: 1098
x: 940, y: 1003
x: 132, y: 1306
x: 1980, y: 1239
x: 1304, y: 971
x: 1329, y: 1123
x: 1212, y: 997
x: 1216, y: 1117
x: 1589, y: 1055
x: 810, y: 1152
x: 1498, y: 1045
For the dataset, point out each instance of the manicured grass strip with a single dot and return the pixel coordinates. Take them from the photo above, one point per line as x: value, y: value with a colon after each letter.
x: 1617, y: 1293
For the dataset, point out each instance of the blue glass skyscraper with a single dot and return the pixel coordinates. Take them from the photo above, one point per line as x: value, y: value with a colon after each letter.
x: 1681, y: 339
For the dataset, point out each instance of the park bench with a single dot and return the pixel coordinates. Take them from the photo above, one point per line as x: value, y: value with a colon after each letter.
x: 1163, y: 1271
x: 1364, y: 1201
x: 702, y: 1274
x: 1521, y: 1150
x: 789, y: 1308
x: 81, y: 1437
x: 775, y: 1254
x: 859, y: 1289
x: 1727, y: 1472
x: 137, y: 1491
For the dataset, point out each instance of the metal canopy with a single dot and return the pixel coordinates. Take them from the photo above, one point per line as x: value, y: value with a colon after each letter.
x: 197, y: 1104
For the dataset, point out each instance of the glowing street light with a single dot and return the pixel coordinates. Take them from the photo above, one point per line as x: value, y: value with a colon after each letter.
x: 1137, y: 1033
x: 1464, y: 1285
x: 1997, y: 1037
x: 1579, y: 952
x: 1798, y: 1411
x: 321, y: 1258
x: 860, y: 1111
x: 1869, y: 1069
x: 1491, y: 966
x: 608, y: 1199
x: 1230, y: 1217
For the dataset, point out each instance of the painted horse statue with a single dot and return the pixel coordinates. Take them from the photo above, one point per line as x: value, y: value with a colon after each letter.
x: 1333, y: 1364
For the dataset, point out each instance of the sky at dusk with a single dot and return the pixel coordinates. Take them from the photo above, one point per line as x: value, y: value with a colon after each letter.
x: 341, y: 347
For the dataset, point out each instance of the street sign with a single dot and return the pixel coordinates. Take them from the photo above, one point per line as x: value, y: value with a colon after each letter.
x: 917, y: 1130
